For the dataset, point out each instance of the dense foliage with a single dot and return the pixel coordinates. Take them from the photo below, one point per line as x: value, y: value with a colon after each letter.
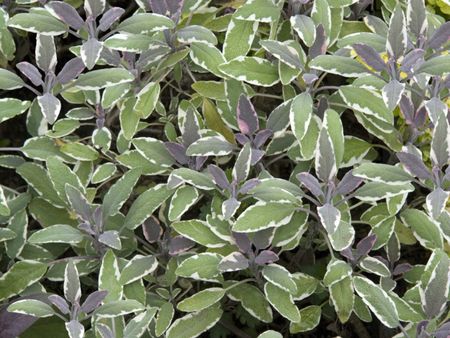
x: 262, y: 168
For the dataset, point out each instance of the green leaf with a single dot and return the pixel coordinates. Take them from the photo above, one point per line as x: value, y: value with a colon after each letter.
x: 119, y: 192
x: 310, y: 318
x: 332, y: 122
x: 31, y: 307
x: 253, y: 70
x: 154, y: 151
x: 305, y: 28
x: 58, y: 233
x: 129, y: 119
x: 330, y: 217
x: 194, y: 324
x: 252, y: 300
x: 282, y: 301
x: 201, y: 300
x: 184, y: 198
x: 374, y: 191
x: 108, y: 278
x: 144, y: 23
x: 279, y: 276
x: 138, y: 267
x: 375, y: 266
x: 325, y: 161
x: 342, y: 297
x: 6, y: 234
x: 239, y: 38
x: 146, y: 99
x: 436, y: 66
x: 72, y: 287
x: 37, y: 23
x: 337, y: 270
x: 258, y: 10
x: 207, y: 56
x: 144, y: 206
x: 79, y: 151
x: 38, y: 179
x: 164, y: 318
x: 118, y: 308
x: 284, y: 52
x: 60, y: 175
x: 9, y: 81
x: 103, y: 78
x: 40, y: 148
x: 425, y: 229
x: 440, y: 144
x: 300, y: 114
x: 199, y: 232
x: 366, y: 102
x: 377, y: 300
x: 203, y: 266
x: 195, y: 178
x: 20, y: 276
x: 270, y: 334
x: 10, y: 108
x: 195, y: 33
x: 264, y: 215
x: 127, y: 42
x: 306, y: 285
x: 138, y: 325
x: 210, y: 146
x: 339, y: 65
x: 19, y: 224
x: 383, y: 173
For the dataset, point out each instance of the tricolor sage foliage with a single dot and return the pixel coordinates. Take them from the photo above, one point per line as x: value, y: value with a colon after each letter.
x: 261, y: 168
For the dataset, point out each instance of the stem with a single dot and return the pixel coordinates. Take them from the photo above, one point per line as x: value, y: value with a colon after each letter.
x: 32, y: 89
x: 327, y: 240
x: 403, y: 330
x: 10, y: 149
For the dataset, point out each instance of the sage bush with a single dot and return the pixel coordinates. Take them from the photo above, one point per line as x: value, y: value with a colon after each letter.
x: 262, y: 168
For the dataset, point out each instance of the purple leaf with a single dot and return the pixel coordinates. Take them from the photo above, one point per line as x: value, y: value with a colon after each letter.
x: 112, y: 57
x: 442, y: 332
x: 152, y: 230
x: 75, y: 328
x: 94, y: 8
x: 178, y: 152
x: 421, y: 327
x: 93, y: 301
x: 50, y: 107
x: 219, y: 177
x: 104, y: 330
x: 319, y: 47
x: 242, y: 241
x: 199, y: 161
x: 110, y: 16
x: 246, y: 116
x: 111, y: 238
x: 262, y: 238
x: 60, y: 303
x: 402, y: 268
x: 261, y: 137
x: 170, y: 8
x: 440, y: 36
x: 309, y: 78
x: 414, y: 165
x: 311, y: 183
x: 249, y: 185
x: 257, y: 155
x: 229, y: 207
x: 241, y: 138
x: 266, y: 257
x: 370, y: 56
x: 411, y: 59
x: 365, y: 245
x: 66, y: 13
x: 191, y: 128
x: 78, y: 202
x: 70, y: 71
x: 90, y: 52
x: 31, y: 72
x: 348, y: 184
x: 12, y: 324
x: 233, y: 262
x: 348, y: 253
x: 180, y: 244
